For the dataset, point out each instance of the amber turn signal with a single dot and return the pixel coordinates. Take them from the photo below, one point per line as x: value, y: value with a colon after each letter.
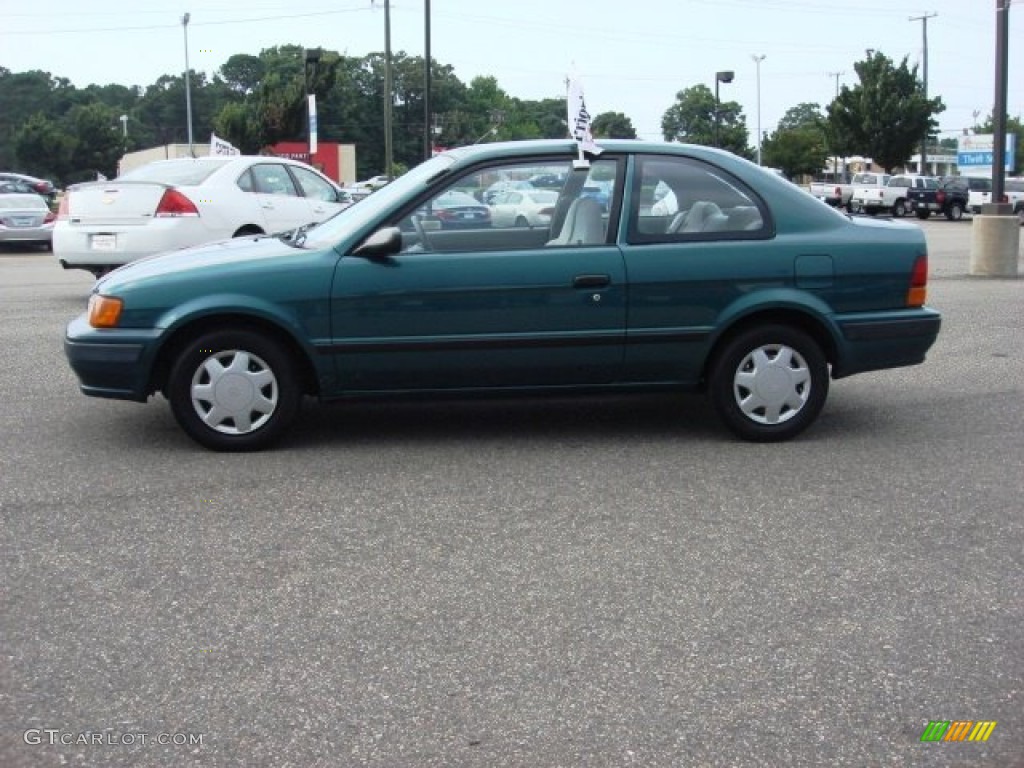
x: 104, y: 311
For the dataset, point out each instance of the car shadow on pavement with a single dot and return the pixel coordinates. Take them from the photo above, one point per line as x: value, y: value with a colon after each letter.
x: 527, y: 419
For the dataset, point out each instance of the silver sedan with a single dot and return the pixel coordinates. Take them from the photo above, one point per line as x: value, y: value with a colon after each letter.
x: 26, y: 218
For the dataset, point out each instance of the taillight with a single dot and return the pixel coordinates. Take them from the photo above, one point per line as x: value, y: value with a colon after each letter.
x: 940, y: 197
x: 62, y: 209
x: 174, y: 204
x: 50, y: 217
x: 917, y: 293
x: 839, y: 191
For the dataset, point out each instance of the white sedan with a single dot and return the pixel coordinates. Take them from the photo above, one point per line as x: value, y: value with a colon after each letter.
x: 523, y: 208
x: 172, y: 204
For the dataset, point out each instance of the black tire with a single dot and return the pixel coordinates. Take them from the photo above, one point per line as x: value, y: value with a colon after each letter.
x: 777, y: 361
x: 955, y: 212
x: 922, y: 215
x: 899, y: 209
x: 259, y: 398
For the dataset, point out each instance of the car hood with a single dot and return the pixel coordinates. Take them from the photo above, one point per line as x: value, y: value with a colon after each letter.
x: 210, y: 256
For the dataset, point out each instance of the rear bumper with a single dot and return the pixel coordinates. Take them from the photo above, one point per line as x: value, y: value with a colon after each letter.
x: 76, y: 245
x: 110, y: 363
x: 874, y: 342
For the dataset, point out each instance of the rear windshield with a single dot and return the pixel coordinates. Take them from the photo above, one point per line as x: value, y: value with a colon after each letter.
x: 21, y: 201
x: 178, y: 172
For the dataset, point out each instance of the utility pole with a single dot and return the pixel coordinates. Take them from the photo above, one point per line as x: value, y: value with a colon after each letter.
x: 924, y: 71
x: 835, y: 160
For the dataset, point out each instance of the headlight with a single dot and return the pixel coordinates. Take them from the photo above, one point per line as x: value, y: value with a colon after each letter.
x: 104, y: 311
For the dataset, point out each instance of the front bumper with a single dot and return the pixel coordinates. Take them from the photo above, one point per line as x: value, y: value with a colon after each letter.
x: 112, y: 363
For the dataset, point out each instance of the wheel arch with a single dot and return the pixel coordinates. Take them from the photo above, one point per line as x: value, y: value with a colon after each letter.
x: 248, y: 229
x: 181, y: 336
x: 802, y: 319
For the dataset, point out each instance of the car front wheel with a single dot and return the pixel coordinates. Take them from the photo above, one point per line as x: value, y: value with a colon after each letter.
x: 769, y: 383
x: 234, y: 390
x: 955, y: 212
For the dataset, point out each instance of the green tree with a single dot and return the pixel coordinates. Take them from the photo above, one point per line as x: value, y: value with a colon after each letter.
x: 1013, y: 125
x: 243, y: 72
x: 885, y: 115
x: 797, y: 145
x: 692, y: 119
x: 22, y: 95
x: 44, y: 145
x: 613, y: 125
x: 98, y: 144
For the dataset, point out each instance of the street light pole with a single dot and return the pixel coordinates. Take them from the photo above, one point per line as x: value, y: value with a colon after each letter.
x: 428, y: 142
x: 757, y: 61
x: 999, y: 113
x: 720, y: 77
x: 388, y: 149
x: 835, y: 157
x: 188, y: 87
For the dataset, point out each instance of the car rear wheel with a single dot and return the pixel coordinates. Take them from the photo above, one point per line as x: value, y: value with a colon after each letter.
x: 769, y: 383
x: 234, y: 390
x: 955, y: 212
x: 899, y: 209
x: 923, y: 214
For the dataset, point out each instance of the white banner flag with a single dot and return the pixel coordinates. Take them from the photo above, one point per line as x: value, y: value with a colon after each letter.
x: 220, y: 147
x: 579, y: 117
x: 312, y: 126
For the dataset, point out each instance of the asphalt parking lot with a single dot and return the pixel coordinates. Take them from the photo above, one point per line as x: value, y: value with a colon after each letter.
x: 606, y: 582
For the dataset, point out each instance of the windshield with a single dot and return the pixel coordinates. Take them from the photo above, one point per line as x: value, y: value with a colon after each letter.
x: 357, y: 217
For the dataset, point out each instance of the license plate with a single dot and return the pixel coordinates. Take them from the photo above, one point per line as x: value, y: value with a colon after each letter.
x: 103, y: 242
x: 23, y: 222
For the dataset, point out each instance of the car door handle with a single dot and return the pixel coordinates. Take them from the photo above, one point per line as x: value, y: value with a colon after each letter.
x: 591, y: 281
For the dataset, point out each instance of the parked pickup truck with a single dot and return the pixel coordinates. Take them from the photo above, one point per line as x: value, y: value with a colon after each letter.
x: 893, y: 197
x: 839, y: 195
x: 953, y: 197
x: 1015, y: 197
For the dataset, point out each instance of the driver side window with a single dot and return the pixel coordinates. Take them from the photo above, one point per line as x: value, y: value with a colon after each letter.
x: 514, y: 207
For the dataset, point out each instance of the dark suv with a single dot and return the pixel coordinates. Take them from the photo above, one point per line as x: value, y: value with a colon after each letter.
x: 954, y: 195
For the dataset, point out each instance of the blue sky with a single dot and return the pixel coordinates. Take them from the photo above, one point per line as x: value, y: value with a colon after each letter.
x: 633, y: 57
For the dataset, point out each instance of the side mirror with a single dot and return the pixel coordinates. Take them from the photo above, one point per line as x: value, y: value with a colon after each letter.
x: 381, y: 244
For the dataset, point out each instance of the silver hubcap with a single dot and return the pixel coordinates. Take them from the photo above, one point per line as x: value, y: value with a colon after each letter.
x: 772, y: 384
x: 234, y: 392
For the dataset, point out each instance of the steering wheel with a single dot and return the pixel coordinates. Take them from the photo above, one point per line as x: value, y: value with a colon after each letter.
x: 421, y: 232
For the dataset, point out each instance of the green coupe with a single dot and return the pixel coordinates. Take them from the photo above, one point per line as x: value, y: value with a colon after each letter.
x: 696, y: 270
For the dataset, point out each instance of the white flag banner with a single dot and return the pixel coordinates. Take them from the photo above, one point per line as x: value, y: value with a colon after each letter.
x: 312, y: 125
x: 220, y: 147
x: 579, y: 117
